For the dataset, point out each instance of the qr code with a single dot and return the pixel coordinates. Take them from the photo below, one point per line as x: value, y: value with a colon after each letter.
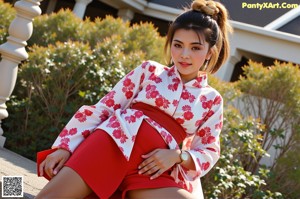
x: 12, y: 186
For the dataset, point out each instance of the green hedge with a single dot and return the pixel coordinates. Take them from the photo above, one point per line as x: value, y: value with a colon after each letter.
x: 7, y: 14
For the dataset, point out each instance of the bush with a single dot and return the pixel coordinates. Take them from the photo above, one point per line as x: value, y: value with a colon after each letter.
x: 273, y: 95
x: 7, y: 14
x: 240, y: 141
x: 64, y: 26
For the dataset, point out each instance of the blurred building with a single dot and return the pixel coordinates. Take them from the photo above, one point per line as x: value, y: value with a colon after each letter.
x: 262, y: 34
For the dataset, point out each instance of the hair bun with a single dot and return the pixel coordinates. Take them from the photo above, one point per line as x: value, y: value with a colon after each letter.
x: 208, y: 7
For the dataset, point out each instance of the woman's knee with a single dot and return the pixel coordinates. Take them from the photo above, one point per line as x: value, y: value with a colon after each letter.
x: 66, y: 184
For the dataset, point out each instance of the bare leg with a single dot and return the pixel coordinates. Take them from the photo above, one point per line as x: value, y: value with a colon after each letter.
x: 161, y: 193
x: 67, y: 184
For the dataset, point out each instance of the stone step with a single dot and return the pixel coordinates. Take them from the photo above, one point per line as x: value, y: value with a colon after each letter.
x: 12, y: 164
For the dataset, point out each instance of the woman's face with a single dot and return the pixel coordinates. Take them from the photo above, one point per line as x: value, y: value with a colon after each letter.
x: 189, y: 52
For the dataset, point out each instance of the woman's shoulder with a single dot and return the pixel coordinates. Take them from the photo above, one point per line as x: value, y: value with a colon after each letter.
x: 152, y: 66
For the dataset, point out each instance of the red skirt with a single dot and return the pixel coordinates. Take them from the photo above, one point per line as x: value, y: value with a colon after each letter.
x: 101, y: 164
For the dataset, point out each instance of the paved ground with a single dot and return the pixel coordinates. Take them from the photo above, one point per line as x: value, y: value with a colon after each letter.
x: 14, y: 164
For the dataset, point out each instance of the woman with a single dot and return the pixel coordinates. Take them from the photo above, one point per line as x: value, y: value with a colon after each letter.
x: 157, y: 132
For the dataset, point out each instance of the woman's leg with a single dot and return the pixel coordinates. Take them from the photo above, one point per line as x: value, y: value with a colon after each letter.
x: 67, y: 184
x: 160, y: 193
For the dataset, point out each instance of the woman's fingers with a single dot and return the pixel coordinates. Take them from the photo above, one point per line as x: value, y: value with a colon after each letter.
x: 58, y: 167
x: 54, y: 162
x: 147, y: 168
x: 41, y: 168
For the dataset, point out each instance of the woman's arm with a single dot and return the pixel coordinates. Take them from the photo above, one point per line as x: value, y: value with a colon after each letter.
x: 87, y: 118
x: 204, y: 147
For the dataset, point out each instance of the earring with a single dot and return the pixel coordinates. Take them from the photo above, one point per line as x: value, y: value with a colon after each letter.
x: 204, y: 66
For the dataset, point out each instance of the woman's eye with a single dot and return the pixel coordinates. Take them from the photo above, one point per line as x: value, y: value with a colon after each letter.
x: 196, y: 48
x: 177, y: 45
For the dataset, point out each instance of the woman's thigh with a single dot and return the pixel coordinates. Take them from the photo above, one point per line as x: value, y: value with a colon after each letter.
x: 66, y: 184
x: 160, y: 193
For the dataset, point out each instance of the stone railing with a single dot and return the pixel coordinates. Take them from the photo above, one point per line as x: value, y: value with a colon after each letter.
x: 13, y: 51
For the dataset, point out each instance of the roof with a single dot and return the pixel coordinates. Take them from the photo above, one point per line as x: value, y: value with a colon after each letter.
x: 258, y: 13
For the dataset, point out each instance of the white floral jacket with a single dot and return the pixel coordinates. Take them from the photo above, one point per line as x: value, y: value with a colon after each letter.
x: 195, y: 105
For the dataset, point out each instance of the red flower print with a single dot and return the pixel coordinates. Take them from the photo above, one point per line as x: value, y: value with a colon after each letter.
x: 219, y: 125
x: 130, y: 119
x: 155, y: 78
x: 153, y: 94
x: 217, y: 100
x: 211, y: 149
x: 201, y: 133
x: 197, y: 84
x: 180, y: 120
x: 151, y: 68
x: 104, y: 115
x: 110, y: 102
x: 185, y: 95
x: 142, y: 78
x: 115, y: 124
x: 117, y: 133
x: 159, y: 101
x: 80, y: 116
x: 209, y: 114
x: 165, y: 103
x: 199, y: 122
x: 88, y: 112
x: 73, y: 131
x: 63, y: 133
x: 205, y: 166
x: 169, y: 139
x: 186, y: 108
x: 144, y: 64
x: 138, y: 114
x: 64, y: 146
x: 86, y: 133
x: 188, y: 115
x: 117, y: 106
x: 150, y: 87
x: 65, y: 140
x: 210, y: 139
x: 163, y: 134
x: 207, y: 104
x: 112, y: 119
x: 192, y: 98
x: 203, y: 98
x: 127, y: 82
x: 173, y: 87
x: 128, y: 94
x: 171, y: 72
x: 200, y: 151
x: 175, y: 103
x: 133, y: 138
x: 123, y: 138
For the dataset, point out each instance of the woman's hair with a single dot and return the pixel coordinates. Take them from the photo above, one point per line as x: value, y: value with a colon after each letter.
x: 208, y: 19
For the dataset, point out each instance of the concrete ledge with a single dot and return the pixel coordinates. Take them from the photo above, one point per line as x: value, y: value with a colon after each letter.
x: 13, y: 164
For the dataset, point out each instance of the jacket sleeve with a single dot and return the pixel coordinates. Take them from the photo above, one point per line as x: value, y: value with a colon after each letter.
x: 87, y: 118
x: 204, y: 146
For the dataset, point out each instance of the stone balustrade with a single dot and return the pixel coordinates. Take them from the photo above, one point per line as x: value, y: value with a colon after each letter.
x: 13, y: 51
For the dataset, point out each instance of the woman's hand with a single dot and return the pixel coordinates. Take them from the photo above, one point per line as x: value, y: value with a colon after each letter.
x: 54, y: 162
x: 158, y: 161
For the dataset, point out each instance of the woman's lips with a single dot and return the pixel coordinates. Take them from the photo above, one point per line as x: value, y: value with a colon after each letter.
x: 184, y: 64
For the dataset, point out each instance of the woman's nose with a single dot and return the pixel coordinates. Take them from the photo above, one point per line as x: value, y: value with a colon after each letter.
x: 185, y: 53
